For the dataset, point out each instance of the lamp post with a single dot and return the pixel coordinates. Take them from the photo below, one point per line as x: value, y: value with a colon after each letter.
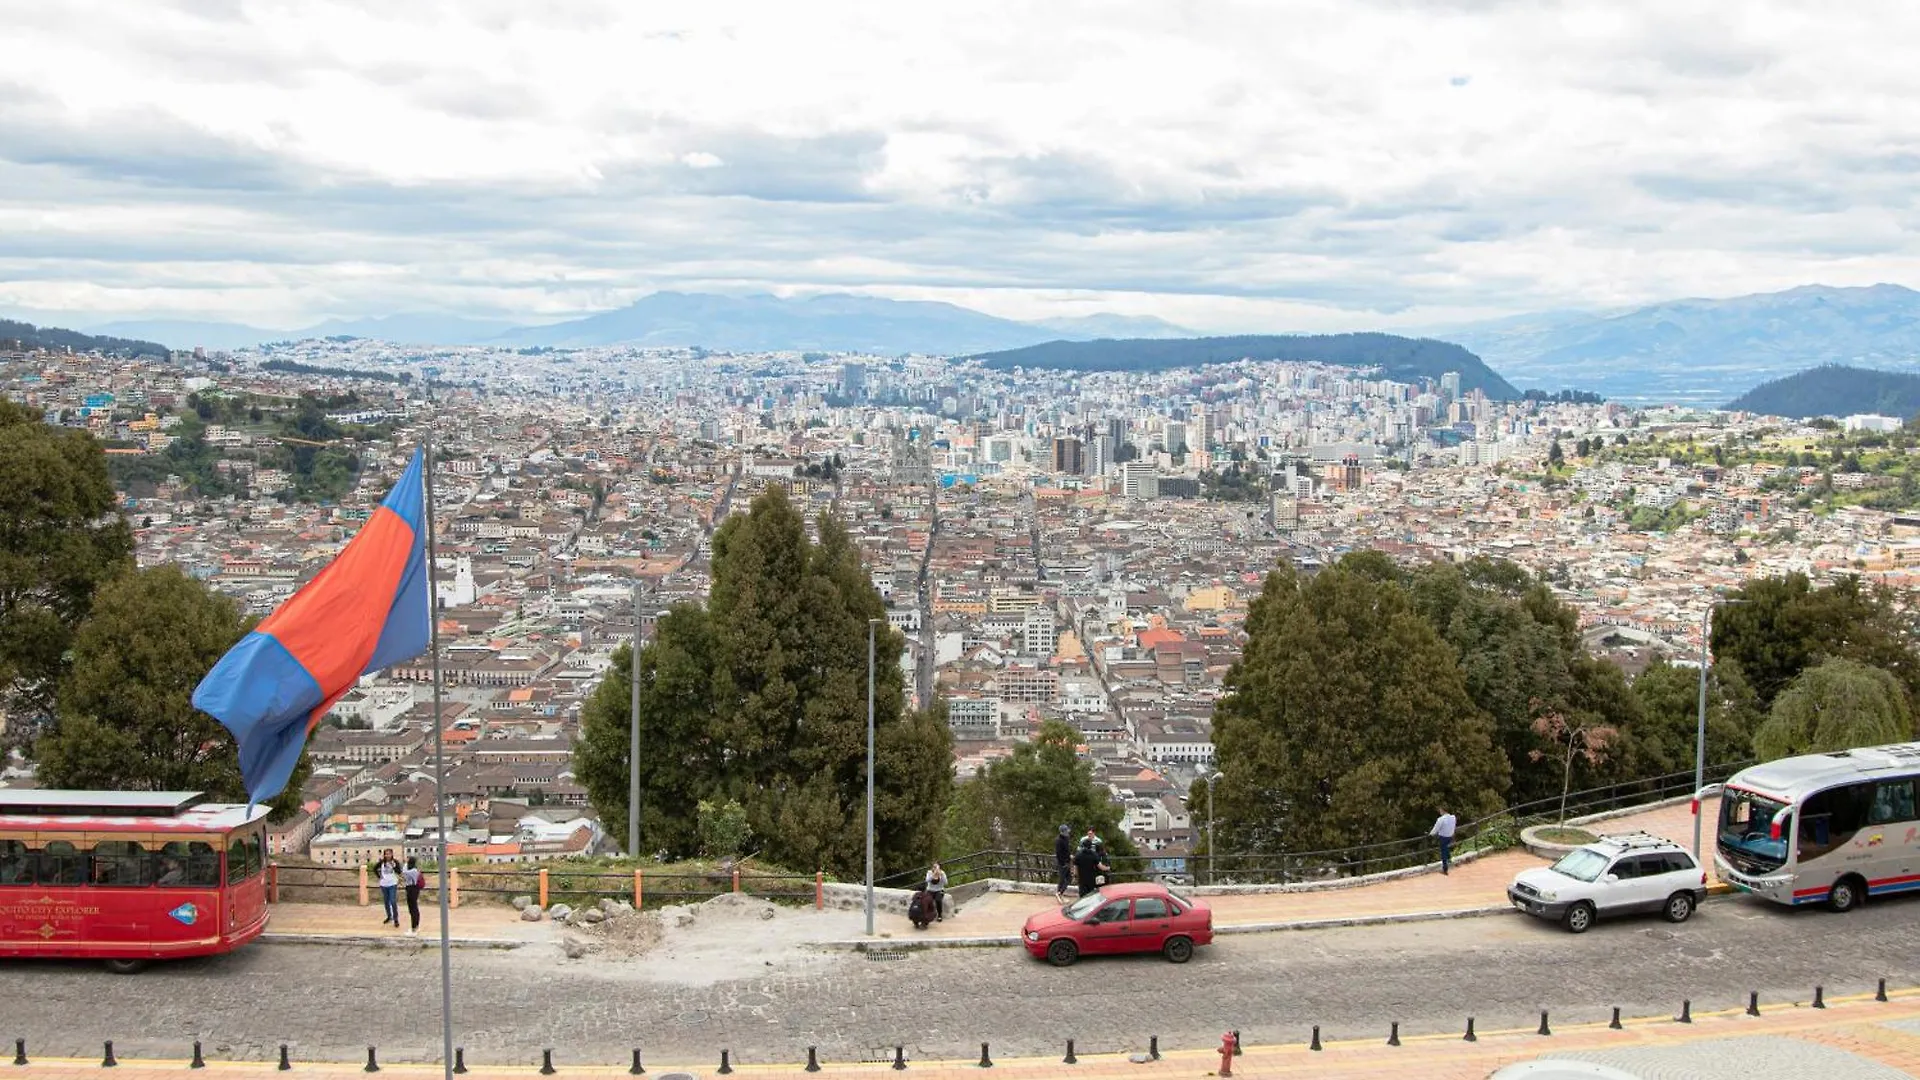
x: 872, y: 625
x: 1700, y: 735
x: 633, y: 746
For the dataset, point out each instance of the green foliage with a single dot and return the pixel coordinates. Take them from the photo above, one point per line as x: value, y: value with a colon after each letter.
x: 126, y: 719
x: 1657, y: 519
x: 1347, y: 721
x: 761, y: 697
x: 59, y: 538
x: 1785, y: 626
x: 298, y: 368
x: 1665, y: 739
x: 1019, y: 802
x: 723, y: 827
x: 189, y: 456
x: 28, y: 336
x: 1233, y: 484
x: 1399, y: 358
x: 1834, y: 390
x: 1836, y: 706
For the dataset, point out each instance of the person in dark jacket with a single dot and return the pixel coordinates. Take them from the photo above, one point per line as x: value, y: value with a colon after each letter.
x: 1088, y: 864
x: 1063, y: 861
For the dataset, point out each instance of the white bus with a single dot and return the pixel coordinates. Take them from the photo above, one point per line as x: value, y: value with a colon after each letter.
x: 1823, y: 828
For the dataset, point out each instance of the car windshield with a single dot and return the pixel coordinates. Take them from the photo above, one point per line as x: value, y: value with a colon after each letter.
x: 1747, y: 830
x: 1086, y: 905
x: 1581, y: 865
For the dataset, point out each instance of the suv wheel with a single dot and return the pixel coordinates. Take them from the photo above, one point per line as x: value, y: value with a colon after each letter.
x: 1579, y: 917
x: 1845, y: 894
x: 1679, y: 906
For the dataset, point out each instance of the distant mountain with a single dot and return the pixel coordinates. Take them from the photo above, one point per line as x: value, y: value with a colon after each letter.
x: 1833, y: 390
x: 1095, y: 327
x: 1399, y: 358
x: 51, y: 337
x: 1701, y: 352
x: 411, y: 329
x: 189, y: 333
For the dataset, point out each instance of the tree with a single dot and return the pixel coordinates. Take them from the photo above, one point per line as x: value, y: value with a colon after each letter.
x: 1555, y: 456
x: 1019, y: 802
x: 1838, y: 705
x: 1785, y: 626
x: 60, y: 537
x: 1665, y: 739
x: 126, y: 718
x: 1572, y: 740
x: 1346, y: 721
x: 761, y: 697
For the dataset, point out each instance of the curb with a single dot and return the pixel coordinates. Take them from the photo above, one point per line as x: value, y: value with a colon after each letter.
x: 373, y: 941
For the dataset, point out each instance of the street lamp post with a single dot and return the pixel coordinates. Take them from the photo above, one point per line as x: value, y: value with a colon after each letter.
x: 1700, y: 734
x: 633, y: 746
x: 872, y: 624
x: 1211, y: 784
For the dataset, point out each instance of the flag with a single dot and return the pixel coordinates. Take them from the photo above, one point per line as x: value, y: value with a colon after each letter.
x: 365, y: 611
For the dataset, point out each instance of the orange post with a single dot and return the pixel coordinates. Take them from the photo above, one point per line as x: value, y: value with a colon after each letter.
x: 1226, y: 1054
x: 273, y: 883
x: 363, y: 885
x: 736, y: 879
x: 639, y: 890
x: 819, y: 891
x: 453, y: 886
x: 543, y: 886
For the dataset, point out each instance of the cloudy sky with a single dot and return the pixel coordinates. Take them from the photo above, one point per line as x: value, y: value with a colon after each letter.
x: 1258, y: 166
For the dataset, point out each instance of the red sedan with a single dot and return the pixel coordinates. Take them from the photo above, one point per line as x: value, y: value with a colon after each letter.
x: 1126, y: 918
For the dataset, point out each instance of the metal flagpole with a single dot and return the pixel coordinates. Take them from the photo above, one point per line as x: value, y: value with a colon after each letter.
x: 439, y: 776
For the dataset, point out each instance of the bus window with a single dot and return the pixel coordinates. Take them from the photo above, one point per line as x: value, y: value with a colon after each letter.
x: 1746, y: 831
x: 16, y: 863
x: 120, y: 863
x: 1892, y: 801
x: 256, y: 859
x: 1828, y: 819
x: 237, y: 870
x: 187, y: 863
x: 62, y: 864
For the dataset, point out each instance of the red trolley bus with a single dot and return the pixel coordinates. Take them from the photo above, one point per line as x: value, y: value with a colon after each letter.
x: 128, y: 876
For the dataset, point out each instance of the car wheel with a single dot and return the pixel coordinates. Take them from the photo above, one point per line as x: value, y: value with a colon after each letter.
x: 1845, y: 894
x: 1579, y: 917
x: 1178, y: 949
x: 125, y: 966
x: 1062, y: 952
x: 1679, y: 906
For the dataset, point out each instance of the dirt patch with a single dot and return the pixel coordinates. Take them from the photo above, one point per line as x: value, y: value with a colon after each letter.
x: 731, y: 936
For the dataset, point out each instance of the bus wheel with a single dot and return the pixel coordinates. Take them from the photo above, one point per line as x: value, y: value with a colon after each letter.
x: 125, y: 966
x: 1845, y: 894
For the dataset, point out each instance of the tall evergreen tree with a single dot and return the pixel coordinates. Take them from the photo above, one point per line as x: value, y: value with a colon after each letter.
x: 1785, y: 626
x: 60, y: 537
x: 1347, y: 720
x: 761, y: 697
x: 1664, y: 741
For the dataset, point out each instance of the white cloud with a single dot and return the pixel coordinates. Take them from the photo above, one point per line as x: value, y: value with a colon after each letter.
x: 1234, y: 166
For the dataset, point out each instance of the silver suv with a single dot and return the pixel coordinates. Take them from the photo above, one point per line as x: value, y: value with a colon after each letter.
x: 1626, y: 874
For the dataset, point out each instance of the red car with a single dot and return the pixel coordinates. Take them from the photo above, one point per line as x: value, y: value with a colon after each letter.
x: 1126, y: 918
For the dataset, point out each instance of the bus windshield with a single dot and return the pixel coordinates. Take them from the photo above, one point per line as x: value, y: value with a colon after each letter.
x: 1747, y: 836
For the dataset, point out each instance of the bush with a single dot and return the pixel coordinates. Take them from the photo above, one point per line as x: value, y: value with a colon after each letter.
x: 723, y: 828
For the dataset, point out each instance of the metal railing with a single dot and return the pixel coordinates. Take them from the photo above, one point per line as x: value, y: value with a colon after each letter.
x: 558, y: 881
x: 1492, y: 833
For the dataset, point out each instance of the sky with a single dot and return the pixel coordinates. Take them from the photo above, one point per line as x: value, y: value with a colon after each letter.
x: 1265, y: 166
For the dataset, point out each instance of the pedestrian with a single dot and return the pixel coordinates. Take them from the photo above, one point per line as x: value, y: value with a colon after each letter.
x: 387, y: 873
x: 1063, y: 861
x: 937, y: 888
x: 412, y: 879
x: 1443, y: 829
x: 1088, y: 865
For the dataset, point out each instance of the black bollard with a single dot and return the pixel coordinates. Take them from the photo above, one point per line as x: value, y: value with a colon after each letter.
x: 1881, y: 993
x: 1236, y: 1042
x: 985, y: 1061
x: 373, y: 1063
x: 19, y: 1051
x: 1153, y: 1048
x: 286, y: 1062
x: 636, y: 1069
x: 1315, y: 1044
x: 108, y: 1062
x: 459, y: 1060
x: 198, y: 1062
x: 1614, y: 1024
x: 726, y: 1066
x: 1070, y: 1059
x: 1819, y: 997
x: 1753, y: 1003
x: 1686, y: 1013
x: 1470, y: 1036
x: 546, y: 1063
x: 899, y: 1057
x: 1544, y: 1029
x: 1393, y: 1039
x: 813, y: 1060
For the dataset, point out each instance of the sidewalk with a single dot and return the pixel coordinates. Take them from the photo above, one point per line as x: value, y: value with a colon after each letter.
x: 1854, y: 1037
x: 471, y: 925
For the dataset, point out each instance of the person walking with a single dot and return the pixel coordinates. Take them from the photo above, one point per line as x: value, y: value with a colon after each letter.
x: 411, y: 878
x: 1088, y: 865
x: 1443, y: 827
x: 1063, y: 861
x: 937, y: 888
x: 387, y: 873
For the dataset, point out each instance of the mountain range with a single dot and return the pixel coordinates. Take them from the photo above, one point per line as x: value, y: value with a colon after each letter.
x: 1701, y: 352
x: 829, y: 323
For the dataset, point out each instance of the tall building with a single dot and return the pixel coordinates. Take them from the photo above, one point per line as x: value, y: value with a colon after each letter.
x: 1450, y: 386
x: 1350, y: 478
x: 1177, y: 438
x: 1138, y: 480
x: 1069, y: 457
x: 1039, y: 637
x: 853, y: 379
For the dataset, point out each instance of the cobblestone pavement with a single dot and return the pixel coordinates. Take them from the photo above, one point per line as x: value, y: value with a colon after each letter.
x: 332, y: 1002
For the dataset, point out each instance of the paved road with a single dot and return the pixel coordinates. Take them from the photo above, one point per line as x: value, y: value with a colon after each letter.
x: 333, y: 1002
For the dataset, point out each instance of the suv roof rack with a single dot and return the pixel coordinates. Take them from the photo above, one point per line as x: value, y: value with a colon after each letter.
x: 1637, y: 839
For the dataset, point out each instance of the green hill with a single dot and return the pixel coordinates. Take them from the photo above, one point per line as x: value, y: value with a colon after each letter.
x: 29, y: 336
x: 1834, y: 390
x: 1397, y: 358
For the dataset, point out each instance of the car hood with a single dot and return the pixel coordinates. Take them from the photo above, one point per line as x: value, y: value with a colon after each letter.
x: 1543, y: 879
x: 1048, y: 922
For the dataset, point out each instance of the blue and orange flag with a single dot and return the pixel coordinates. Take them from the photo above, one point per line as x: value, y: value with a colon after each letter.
x: 365, y: 611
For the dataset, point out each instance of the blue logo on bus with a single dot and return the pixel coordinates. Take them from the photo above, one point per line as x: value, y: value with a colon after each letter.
x: 186, y: 914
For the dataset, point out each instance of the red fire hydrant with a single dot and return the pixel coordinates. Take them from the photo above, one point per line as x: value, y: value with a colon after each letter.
x: 1226, y: 1054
